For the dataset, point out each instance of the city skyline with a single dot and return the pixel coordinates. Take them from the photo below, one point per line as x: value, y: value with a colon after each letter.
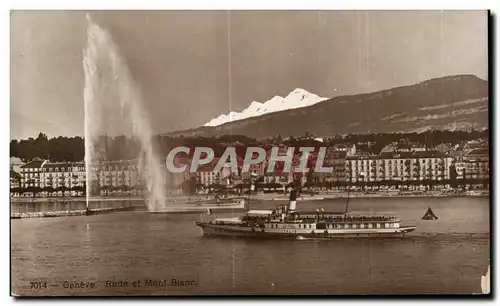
x: 328, y: 53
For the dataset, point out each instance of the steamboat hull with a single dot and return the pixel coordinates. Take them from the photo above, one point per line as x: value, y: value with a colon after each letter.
x: 263, y: 233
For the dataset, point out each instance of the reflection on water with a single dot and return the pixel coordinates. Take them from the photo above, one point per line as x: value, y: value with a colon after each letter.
x: 448, y: 255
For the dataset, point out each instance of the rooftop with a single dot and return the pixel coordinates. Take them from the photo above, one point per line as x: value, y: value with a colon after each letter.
x: 479, y: 151
x: 33, y: 164
x: 402, y: 155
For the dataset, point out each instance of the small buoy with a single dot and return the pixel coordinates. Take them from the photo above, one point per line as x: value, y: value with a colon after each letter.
x: 429, y: 215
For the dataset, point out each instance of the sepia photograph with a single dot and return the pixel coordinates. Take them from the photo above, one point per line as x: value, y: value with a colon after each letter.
x: 250, y: 152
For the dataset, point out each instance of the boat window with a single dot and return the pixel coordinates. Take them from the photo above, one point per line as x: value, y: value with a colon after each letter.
x: 362, y: 225
x: 370, y: 225
x: 378, y: 225
x: 354, y: 226
x: 339, y: 226
x: 346, y: 225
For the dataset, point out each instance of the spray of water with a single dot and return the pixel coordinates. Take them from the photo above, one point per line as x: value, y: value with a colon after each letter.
x: 113, y: 104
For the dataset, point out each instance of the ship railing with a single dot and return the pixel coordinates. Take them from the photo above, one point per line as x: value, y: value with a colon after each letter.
x: 372, y: 213
x: 350, y: 220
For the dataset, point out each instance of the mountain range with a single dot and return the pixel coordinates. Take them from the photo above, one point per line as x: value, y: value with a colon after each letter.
x: 458, y: 102
x: 295, y: 99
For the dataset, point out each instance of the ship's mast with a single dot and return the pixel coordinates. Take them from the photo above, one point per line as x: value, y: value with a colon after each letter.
x: 250, y: 189
x: 347, y: 202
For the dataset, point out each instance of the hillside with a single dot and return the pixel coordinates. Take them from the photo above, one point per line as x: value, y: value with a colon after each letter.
x: 454, y: 102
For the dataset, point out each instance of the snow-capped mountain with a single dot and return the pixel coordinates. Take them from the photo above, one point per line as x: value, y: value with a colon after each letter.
x: 295, y: 99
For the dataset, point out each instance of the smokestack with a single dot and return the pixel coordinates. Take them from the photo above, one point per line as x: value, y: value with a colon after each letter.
x: 293, y: 199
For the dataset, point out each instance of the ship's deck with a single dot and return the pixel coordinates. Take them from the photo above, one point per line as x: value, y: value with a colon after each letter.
x: 344, y: 217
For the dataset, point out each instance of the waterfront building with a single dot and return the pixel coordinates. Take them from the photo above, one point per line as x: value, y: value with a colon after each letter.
x: 460, y: 169
x: 336, y: 159
x: 174, y: 182
x: 78, y: 174
x: 15, y: 179
x: 207, y: 176
x: 276, y: 177
x: 31, y: 173
x: 257, y: 170
x: 398, y: 166
x: 476, y: 164
x: 62, y: 175
x: 112, y: 174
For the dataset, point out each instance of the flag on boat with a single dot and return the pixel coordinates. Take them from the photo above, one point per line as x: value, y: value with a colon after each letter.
x: 209, y: 211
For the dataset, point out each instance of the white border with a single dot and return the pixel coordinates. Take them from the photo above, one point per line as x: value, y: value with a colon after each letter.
x: 190, y: 4
x: 256, y: 4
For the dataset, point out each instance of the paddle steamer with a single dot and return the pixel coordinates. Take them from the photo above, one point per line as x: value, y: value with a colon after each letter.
x: 289, y: 223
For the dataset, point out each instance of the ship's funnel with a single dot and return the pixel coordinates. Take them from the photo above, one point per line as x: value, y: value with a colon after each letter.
x: 293, y: 199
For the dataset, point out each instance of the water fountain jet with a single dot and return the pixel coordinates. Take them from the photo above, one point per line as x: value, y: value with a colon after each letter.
x: 108, y: 81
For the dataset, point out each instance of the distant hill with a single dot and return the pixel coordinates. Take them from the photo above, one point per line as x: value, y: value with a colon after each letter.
x: 454, y: 102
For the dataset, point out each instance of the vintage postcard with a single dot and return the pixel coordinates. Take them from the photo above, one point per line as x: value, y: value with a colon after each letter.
x: 193, y: 153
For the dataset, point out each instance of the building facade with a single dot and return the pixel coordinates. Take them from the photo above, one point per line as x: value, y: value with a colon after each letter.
x: 476, y: 163
x: 124, y: 173
x: 63, y: 175
x: 398, y: 166
x: 31, y: 173
x: 336, y: 159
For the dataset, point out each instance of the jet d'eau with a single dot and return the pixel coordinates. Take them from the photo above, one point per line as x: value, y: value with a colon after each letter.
x: 112, y: 103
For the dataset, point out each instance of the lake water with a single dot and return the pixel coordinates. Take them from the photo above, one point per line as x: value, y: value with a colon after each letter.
x: 448, y: 255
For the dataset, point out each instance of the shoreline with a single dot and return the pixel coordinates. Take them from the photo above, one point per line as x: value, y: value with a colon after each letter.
x: 67, y: 213
x: 262, y: 196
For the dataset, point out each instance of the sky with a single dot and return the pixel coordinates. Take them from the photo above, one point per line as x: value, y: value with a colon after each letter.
x: 192, y: 66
